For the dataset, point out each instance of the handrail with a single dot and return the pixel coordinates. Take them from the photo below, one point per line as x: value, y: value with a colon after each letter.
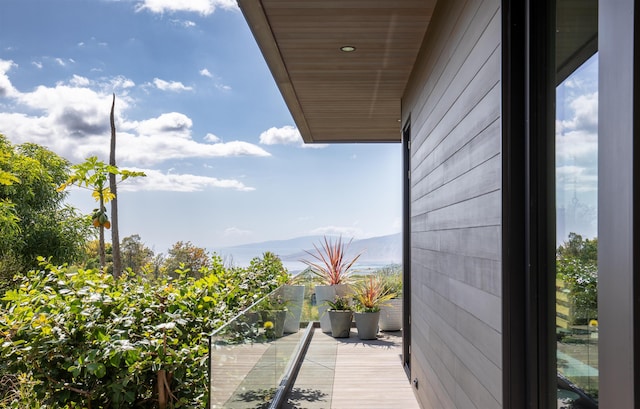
x: 252, y: 357
x: 292, y: 369
x: 241, y: 313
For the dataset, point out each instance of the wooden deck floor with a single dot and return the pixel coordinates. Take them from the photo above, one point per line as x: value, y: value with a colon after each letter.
x: 348, y: 373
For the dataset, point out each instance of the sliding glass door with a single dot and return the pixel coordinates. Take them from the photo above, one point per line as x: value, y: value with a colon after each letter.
x: 576, y: 192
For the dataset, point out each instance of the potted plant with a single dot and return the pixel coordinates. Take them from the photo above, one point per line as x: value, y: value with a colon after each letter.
x: 369, y: 295
x: 391, y: 312
x: 340, y: 316
x: 332, y: 265
x: 293, y: 296
x: 273, y: 313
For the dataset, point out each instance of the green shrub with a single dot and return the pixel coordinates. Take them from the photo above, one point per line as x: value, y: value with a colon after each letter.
x: 87, y: 340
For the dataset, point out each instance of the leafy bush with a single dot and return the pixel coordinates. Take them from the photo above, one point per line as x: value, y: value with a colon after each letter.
x: 86, y: 340
x: 391, y: 277
x: 577, y: 265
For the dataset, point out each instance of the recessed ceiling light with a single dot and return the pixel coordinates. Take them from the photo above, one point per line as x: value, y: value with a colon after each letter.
x: 347, y: 48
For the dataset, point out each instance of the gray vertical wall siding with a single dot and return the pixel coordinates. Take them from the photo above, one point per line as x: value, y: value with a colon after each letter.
x: 453, y: 100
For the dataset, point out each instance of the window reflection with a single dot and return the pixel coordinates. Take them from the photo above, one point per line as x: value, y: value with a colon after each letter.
x: 577, y: 237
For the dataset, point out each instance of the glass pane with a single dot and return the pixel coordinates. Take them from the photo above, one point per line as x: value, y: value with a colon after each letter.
x: 250, y: 354
x: 577, y: 236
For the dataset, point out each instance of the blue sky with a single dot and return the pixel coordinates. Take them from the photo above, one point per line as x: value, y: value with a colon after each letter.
x: 577, y: 152
x: 197, y: 110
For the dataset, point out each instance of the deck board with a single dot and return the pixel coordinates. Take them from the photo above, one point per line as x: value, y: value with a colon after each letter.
x: 348, y: 373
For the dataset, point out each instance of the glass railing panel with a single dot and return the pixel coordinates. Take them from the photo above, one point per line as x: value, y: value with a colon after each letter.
x: 250, y: 353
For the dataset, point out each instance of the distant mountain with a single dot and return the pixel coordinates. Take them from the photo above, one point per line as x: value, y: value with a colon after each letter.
x: 376, y: 251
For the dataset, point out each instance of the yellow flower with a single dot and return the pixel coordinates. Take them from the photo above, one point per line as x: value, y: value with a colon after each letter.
x: 268, y: 325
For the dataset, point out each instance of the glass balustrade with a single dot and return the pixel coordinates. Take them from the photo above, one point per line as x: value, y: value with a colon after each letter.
x: 251, y: 353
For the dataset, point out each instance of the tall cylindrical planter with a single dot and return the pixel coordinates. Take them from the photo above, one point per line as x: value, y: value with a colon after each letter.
x: 391, y: 315
x: 277, y: 318
x: 326, y: 293
x: 367, y: 324
x: 340, y: 323
x: 293, y: 296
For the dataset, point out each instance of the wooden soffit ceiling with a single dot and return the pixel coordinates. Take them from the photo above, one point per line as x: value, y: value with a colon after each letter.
x: 337, y: 96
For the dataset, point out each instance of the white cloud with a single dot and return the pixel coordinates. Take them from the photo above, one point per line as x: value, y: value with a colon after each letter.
x: 172, y: 124
x: 347, y: 232
x: 576, y: 145
x: 203, y: 7
x: 286, y: 135
x: 172, y: 182
x: 6, y: 88
x: 218, y: 83
x: 78, y: 81
x: 62, y: 62
x: 169, y: 137
x: 121, y: 82
x: 585, y: 113
x: 37, y: 64
x: 576, y: 179
x: 184, y: 23
x: 223, y: 87
x: 73, y: 120
x: 174, y: 86
x: 212, y: 138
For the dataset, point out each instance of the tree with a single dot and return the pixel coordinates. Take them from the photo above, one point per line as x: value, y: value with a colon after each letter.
x: 583, y: 249
x: 577, y: 266
x: 34, y: 219
x: 186, y: 256
x: 135, y: 255
x: 93, y: 174
x: 115, y: 235
x: 8, y: 217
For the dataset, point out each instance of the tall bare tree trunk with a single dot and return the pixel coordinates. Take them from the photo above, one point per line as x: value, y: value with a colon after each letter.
x: 115, y: 236
x: 101, y: 250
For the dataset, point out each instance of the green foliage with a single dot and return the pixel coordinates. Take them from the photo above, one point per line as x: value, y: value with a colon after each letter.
x: 576, y: 247
x: 370, y: 294
x: 391, y: 277
x: 339, y: 303
x: 577, y: 265
x: 33, y: 218
x: 85, y: 339
x: 186, y: 256
x: 135, y: 255
x: 94, y: 175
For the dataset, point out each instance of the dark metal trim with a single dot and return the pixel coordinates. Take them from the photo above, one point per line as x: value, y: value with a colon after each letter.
x: 528, y: 229
x: 286, y: 383
x: 541, y: 200
x: 513, y: 204
x: 636, y: 200
x: 406, y: 248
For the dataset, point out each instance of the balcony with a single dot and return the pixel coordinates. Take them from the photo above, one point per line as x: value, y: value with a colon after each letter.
x: 256, y: 365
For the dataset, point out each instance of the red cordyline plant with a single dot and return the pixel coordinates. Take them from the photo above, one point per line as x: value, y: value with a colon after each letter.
x: 331, y: 263
x: 370, y: 294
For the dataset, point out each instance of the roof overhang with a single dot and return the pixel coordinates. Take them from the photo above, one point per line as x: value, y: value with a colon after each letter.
x: 333, y: 95
x: 337, y: 96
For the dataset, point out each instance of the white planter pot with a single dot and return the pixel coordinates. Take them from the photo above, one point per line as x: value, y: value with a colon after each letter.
x: 294, y: 298
x: 326, y: 293
x: 391, y: 315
